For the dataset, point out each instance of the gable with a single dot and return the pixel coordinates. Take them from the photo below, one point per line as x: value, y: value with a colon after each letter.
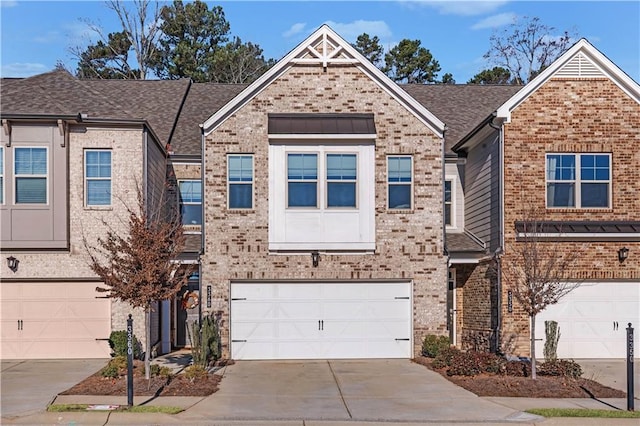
x: 581, y: 61
x: 326, y: 49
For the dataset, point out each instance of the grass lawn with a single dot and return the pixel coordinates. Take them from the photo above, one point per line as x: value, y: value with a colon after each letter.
x: 584, y: 412
x: 57, y: 408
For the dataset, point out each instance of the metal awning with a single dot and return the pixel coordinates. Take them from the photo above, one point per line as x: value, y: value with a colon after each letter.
x: 322, y: 125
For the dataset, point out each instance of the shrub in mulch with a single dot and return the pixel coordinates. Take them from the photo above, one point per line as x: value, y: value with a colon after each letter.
x: 517, y: 369
x: 433, y: 345
x: 561, y: 367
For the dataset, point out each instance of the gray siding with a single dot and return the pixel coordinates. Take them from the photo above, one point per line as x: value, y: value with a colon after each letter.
x: 157, y: 197
x: 482, y: 190
x: 36, y: 226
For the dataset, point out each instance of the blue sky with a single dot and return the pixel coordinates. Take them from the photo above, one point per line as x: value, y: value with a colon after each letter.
x: 35, y: 35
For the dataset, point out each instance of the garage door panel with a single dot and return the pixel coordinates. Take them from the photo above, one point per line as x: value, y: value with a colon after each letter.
x: 59, y: 320
x: 587, y: 317
x: 321, y: 320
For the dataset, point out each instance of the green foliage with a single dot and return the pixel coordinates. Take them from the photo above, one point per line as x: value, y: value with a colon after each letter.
x: 495, y: 75
x: 115, y: 368
x: 561, y: 367
x: 447, y: 78
x: 195, y: 372
x: 552, y: 337
x: 206, y: 346
x: 432, y: 345
x: 118, y: 344
x: 444, y: 358
x: 473, y: 363
x: 408, y: 62
x: 156, y: 370
x: 369, y: 47
x: 107, y: 59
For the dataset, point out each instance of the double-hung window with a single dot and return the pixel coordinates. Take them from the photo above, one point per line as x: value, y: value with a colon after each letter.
x: 240, y: 181
x: 30, y: 175
x: 341, y: 180
x: 579, y: 180
x: 400, y: 182
x: 1, y: 175
x: 191, y: 202
x: 302, y: 180
x: 97, y: 165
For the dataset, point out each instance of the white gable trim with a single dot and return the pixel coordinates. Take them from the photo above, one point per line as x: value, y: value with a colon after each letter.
x: 335, y: 51
x: 599, y: 64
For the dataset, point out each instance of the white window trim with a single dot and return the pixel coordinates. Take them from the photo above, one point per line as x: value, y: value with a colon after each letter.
x: 252, y: 183
x: 577, y: 181
x: 317, y: 180
x: 87, y: 179
x: 190, y: 203
x: 411, y: 194
x: 327, y: 181
x: 15, y: 176
x: 453, y: 210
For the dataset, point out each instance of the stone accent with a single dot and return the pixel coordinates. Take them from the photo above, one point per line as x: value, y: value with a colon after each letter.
x: 572, y: 115
x: 409, y: 244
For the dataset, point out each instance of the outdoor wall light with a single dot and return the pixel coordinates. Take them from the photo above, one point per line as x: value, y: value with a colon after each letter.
x: 623, y: 253
x: 12, y: 263
x: 315, y: 258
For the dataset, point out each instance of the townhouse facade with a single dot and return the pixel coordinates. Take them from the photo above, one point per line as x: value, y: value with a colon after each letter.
x: 331, y: 213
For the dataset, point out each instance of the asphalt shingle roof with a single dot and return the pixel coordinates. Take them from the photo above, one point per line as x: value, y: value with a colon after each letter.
x: 204, y: 100
x: 462, y: 242
x: 462, y: 107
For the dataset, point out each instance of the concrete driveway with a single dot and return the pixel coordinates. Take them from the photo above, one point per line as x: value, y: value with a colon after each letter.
x: 362, y: 390
x: 28, y: 386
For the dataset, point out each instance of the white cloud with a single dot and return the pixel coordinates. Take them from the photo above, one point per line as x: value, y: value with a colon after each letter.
x: 295, y: 29
x: 456, y: 7
x: 23, y: 69
x: 8, y: 3
x: 49, y: 37
x: 350, y: 31
x: 495, y: 21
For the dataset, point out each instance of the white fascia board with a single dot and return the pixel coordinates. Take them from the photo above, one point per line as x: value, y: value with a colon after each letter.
x: 611, y: 70
x: 582, y: 236
x: 328, y: 136
x: 417, y: 109
x: 282, y: 246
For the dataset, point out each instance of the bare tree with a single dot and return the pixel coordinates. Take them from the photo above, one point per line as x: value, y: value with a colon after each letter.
x: 526, y: 48
x: 109, y: 56
x: 138, y: 266
x: 537, y: 274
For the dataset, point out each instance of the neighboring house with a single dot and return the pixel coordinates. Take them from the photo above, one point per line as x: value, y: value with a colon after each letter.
x: 73, y: 153
x: 330, y: 211
x: 567, y: 144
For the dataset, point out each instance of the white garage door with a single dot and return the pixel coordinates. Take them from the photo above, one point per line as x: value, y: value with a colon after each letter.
x: 320, y: 320
x: 593, y: 319
x: 53, y: 320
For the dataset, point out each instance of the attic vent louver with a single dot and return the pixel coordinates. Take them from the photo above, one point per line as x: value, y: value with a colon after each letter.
x: 580, y: 66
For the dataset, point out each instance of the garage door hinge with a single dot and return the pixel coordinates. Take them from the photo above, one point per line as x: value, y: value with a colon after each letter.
x: 238, y: 298
x: 407, y: 339
x: 403, y: 297
x: 238, y: 341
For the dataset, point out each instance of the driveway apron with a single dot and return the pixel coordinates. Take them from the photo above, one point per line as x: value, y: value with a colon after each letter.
x: 363, y: 390
x: 28, y: 386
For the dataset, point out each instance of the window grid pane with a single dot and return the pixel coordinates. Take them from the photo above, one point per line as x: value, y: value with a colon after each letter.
x: 302, y: 177
x: 341, y: 180
x: 98, y: 177
x: 590, y: 188
x: 399, y: 177
x: 447, y: 202
x: 1, y: 175
x: 30, y: 174
x: 240, y: 181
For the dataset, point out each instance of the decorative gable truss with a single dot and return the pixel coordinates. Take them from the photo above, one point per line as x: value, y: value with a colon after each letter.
x: 325, y: 47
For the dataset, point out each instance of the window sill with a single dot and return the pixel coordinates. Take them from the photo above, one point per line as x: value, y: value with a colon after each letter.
x: 98, y: 208
x: 580, y: 210
x: 241, y: 210
x: 399, y: 211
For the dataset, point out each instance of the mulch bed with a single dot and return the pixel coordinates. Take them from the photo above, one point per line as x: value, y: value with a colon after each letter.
x: 177, y: 385
x: 542, y: 387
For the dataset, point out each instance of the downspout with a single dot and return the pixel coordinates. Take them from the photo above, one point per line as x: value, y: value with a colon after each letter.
x: 497, y: 255
x: 202, y: 214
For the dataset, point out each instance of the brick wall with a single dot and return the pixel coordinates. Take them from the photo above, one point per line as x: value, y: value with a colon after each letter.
x: 573, y: 115
x: 408, y: 245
